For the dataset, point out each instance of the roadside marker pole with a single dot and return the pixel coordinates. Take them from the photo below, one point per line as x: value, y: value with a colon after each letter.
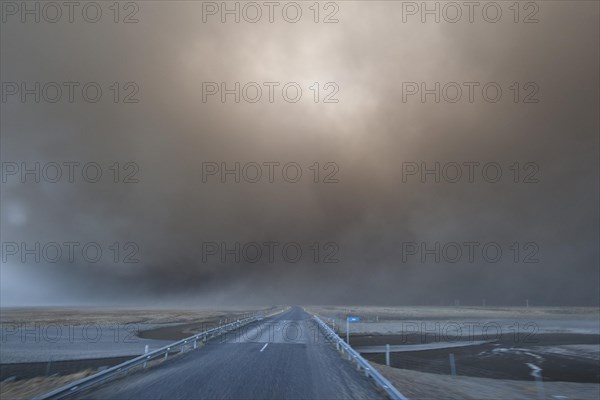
x: 387, y: 355
x: 348, y: 320
x: 452, y: 364
x: 48, y: 367
x: 539, y: 384
x: 348, y: 331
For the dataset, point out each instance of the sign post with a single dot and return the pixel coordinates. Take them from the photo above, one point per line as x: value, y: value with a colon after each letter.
x: 348, y: 320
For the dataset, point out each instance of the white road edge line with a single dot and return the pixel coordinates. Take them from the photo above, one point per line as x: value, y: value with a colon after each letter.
x: 264, y: 347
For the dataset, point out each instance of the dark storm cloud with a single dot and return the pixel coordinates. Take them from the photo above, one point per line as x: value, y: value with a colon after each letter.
x: 369, y: 213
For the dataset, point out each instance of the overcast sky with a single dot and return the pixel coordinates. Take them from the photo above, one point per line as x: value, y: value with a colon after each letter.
x: 369, y: 216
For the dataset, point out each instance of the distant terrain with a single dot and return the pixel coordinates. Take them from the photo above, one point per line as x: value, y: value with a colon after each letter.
x: 502, y: 347
x: 561, y: 344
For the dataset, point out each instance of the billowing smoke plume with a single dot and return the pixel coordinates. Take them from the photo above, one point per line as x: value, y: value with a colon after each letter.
x: 370, y: 230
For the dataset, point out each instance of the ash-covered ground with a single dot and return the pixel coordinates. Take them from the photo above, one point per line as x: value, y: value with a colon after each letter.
x: 502, y: 349
x: 31, y: 336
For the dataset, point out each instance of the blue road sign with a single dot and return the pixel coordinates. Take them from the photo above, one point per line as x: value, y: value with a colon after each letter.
x: 353, y: 319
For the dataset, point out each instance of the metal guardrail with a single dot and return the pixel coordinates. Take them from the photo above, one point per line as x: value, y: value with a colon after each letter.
x: 109, y: 373
x: 361, y: 363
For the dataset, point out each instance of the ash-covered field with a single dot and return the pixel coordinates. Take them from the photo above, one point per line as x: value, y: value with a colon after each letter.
x: 46, y: 341
x: 556, y: 345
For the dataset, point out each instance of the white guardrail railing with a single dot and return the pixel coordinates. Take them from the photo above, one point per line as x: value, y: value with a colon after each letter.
x: 360, y: 362
x: 100, y: 377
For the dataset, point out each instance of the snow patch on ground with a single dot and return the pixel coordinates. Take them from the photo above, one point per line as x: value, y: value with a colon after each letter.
x: 591, y: 351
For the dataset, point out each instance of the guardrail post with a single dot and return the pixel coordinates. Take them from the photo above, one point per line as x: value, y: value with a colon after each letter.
x: 182, y: 346
x: 167, y: 352
x: 146, y: 352
x: 195, y: 343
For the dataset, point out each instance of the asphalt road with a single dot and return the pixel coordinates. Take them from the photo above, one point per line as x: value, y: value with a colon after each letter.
x: 282, y: 357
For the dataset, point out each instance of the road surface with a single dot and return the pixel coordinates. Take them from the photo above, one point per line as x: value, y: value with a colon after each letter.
x: 407, y: 348
x: 281, y: 357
